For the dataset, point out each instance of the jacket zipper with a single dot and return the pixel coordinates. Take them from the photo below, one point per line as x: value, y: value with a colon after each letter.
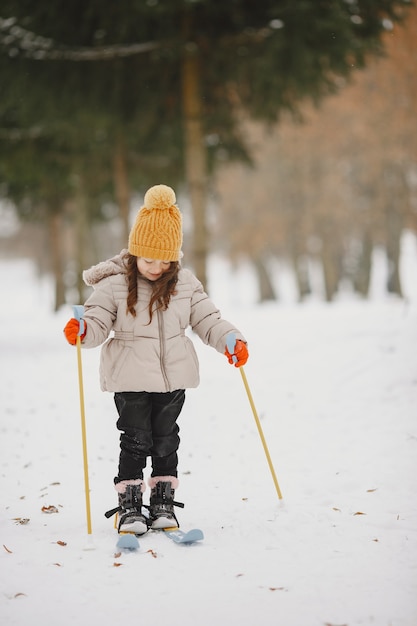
x: 162, y: 348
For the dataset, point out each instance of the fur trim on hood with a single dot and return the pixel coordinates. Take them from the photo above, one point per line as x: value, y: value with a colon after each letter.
x: 111, y: 267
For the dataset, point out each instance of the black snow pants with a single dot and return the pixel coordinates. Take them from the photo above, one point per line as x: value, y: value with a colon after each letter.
x: 148, y: 422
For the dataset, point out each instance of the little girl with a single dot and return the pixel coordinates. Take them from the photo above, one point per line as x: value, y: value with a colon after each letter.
x: 148, y: 301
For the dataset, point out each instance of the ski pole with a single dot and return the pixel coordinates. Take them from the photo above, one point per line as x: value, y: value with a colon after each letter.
x: 230, y: 343
x: 78, y: 313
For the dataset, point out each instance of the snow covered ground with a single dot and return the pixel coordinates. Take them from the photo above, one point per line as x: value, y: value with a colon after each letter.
x: 335, y: 387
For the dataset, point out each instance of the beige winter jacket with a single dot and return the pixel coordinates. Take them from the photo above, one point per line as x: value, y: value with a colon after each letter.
x: 143, y: 356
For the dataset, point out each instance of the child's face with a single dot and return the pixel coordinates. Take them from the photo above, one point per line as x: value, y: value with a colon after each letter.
x: 152, y: 269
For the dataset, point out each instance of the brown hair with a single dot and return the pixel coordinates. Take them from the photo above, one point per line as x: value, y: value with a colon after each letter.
x: 162, y: 289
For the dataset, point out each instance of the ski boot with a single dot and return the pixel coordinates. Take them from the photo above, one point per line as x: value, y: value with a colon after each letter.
x: 131, y: 518
x: 161, y: 505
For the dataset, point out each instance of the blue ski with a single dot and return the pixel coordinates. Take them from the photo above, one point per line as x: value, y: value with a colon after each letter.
x: 129, y: 542
x: 179, y: 536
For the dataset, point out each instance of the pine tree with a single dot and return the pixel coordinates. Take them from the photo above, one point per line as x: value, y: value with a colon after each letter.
x: 208, y: 61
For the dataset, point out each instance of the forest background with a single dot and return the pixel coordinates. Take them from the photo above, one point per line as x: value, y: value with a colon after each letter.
x: 287, y: 129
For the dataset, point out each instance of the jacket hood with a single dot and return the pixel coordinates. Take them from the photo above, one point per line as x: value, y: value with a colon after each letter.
x: 111, y: 267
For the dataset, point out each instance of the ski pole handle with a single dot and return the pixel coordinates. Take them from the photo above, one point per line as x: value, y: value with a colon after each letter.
x: 78, y: 314
x: 230, y: 345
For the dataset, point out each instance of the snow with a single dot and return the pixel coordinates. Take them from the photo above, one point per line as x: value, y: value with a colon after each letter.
x: 335, y: 388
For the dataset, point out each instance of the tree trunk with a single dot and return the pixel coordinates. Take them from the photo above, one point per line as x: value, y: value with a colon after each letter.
x: 56, y: 247
x: 331, y: 266
x: 121, y: 183
x: 195, y: 157
x: 395, y: 190
x: 266, y: 290
x: 393, y: 243
x: 300, y: 267
x: 81, y: 230
x: 362, y: 277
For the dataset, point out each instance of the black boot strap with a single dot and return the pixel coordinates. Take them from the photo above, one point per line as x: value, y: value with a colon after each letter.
x: 113, y: 511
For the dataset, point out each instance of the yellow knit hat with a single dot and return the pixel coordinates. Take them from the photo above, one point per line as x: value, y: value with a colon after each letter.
x: 157, y: 231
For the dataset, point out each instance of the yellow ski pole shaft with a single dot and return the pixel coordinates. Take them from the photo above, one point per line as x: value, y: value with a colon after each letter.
x: 261, y: 434
x: 84, y: 436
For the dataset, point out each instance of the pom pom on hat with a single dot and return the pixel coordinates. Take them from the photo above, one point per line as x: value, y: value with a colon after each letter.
x: 159, y: 197
x: 157, y: 231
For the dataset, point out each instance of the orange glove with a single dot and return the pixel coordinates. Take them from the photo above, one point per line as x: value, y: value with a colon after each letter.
x: 240, y: 354
x: 72, y: 329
